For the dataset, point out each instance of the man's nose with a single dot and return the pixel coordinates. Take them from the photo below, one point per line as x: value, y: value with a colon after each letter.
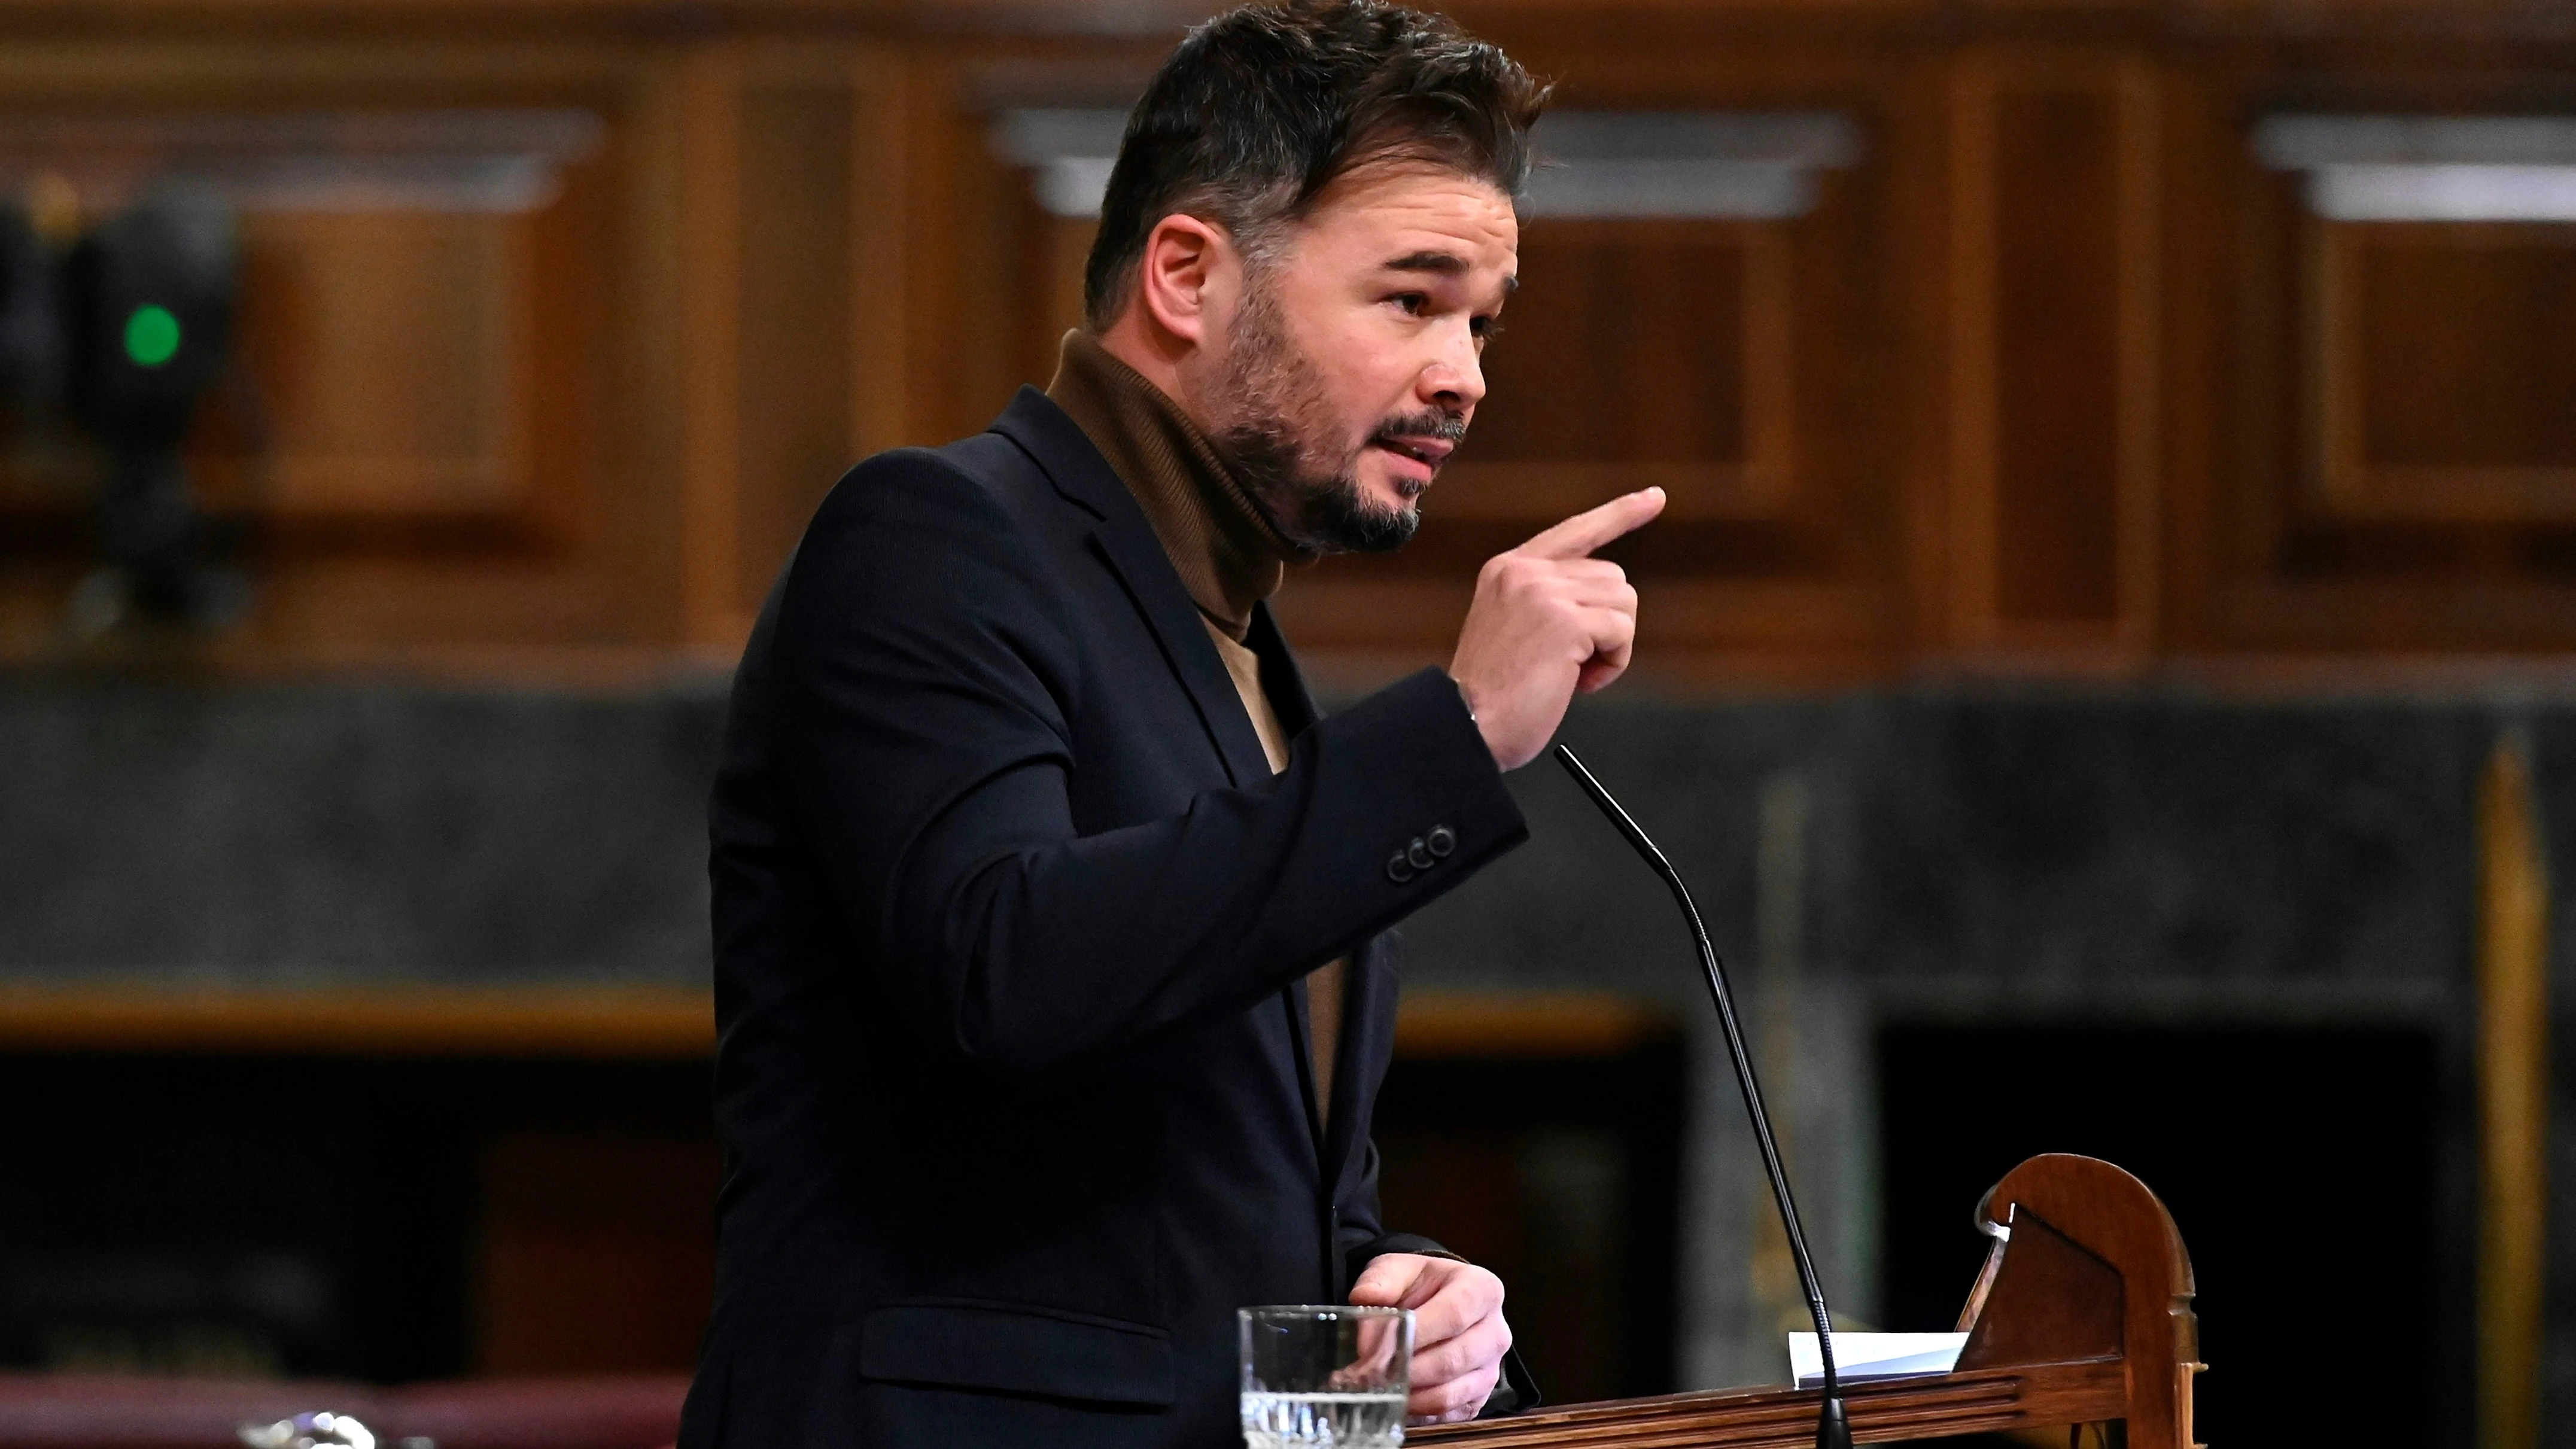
x: 1455, y: 379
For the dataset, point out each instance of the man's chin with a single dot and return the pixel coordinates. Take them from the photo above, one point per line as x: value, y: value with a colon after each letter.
x: 1386, y: 485
x: 1347, y: 520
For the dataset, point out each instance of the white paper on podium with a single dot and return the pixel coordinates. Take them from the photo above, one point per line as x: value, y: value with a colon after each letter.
x: 1859, y: 1357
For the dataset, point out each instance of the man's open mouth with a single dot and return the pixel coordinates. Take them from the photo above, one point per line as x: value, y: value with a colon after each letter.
x: 1430, y: 452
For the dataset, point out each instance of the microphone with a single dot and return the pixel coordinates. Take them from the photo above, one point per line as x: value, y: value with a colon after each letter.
x: 1833, y: 1427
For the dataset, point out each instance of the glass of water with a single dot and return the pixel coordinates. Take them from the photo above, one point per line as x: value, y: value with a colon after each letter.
x: 1325, y: 1374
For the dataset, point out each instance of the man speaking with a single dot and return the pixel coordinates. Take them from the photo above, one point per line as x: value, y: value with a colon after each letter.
x: 1051, y: 971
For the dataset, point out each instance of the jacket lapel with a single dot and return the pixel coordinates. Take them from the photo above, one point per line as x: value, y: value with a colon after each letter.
x: 1126, y: 542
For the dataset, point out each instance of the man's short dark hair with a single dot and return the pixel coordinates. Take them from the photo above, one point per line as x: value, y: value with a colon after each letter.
x: 1262, y: 108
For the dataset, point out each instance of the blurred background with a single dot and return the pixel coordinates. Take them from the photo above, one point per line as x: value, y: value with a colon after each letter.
x: 2105, y: 667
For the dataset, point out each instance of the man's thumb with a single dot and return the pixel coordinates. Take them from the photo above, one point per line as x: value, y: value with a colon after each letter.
x: 1381, y: 1284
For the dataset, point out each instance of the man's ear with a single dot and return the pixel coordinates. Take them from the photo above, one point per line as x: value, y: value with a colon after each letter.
x: 1185, y: 270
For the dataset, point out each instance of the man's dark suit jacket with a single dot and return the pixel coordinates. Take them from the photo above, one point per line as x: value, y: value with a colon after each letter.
x: 1011, y: 923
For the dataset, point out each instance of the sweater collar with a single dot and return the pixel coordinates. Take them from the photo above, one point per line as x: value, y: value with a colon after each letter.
x: 1227, y: 553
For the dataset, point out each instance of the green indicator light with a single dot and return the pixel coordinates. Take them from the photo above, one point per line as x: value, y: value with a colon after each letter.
x: 151, y: 336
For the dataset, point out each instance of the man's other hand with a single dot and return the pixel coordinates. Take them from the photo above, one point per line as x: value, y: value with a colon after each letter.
x: 1548, y: 619
x: 1459, y: 1336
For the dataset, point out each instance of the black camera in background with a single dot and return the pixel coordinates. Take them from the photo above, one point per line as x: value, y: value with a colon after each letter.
x: 2302, y: 1166
x: 124, y: 335
x: 148, y: 318
x: 147, y: 326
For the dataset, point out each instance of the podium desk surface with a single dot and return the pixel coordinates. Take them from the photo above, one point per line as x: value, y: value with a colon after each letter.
x: 2082, y: 1314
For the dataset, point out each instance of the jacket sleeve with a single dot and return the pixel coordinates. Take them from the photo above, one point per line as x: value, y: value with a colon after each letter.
x: 925, y: 687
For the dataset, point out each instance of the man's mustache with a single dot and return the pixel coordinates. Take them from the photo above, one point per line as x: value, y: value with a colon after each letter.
x: 1433, y: 423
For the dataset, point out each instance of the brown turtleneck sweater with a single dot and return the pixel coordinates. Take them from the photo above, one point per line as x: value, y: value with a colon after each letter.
x: 1226, y: 552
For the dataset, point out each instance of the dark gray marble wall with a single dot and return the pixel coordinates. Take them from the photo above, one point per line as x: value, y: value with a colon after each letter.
x: 338, y: 835
x: 2042, y: 845
x: 1969, y: 854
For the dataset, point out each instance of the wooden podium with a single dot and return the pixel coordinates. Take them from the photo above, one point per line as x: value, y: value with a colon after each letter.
x: 2082, y: 1315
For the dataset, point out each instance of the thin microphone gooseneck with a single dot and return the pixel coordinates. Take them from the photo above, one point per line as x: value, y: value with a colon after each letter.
x: 1833, y: 1428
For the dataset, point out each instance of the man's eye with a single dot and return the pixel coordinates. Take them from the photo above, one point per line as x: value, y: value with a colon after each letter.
x: 1412, y: 303
x: 1485, y: 329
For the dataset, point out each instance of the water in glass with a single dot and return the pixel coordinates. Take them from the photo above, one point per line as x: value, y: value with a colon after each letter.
x: 1325, y: 1376
x: 1314, y: 1421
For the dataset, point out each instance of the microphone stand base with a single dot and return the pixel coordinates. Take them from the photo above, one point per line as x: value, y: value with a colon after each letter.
x: 1833, y: 1428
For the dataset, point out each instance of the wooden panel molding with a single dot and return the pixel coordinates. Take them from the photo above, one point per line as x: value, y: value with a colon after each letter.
x: 640, y: 1023
x: 1595, y: 396
x: 2043, y: 359
x: 2055, y: 327
x: 390, y: 356
x: 393, y: 1021
x: 2443, y: 386
x: 2373, y: 458
x: 448, y: 421
x: 795, y: 235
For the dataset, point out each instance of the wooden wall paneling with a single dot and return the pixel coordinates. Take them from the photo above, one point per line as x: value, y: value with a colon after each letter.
x: 1692, y: 393
x: 2373, y: 449
x: 452, y: 428
x: 796, y: 305
x: 797, y: 373
x: 1048, y: 252
x: 2055, y: 541
x: 1982, y: 405
x: 1064, y: 246
x: 598, y: 581
x: 1838, y: 603
x: 969, y: 341
x: 430, y: 311
x: 575, y: 568
x: 711, y: 343
x: 2442, y: 386
x: 884, y: 294
x: 1922, y: 404
x: 2209, y: 239
x: 797, y: 377
x: 1044, y: 242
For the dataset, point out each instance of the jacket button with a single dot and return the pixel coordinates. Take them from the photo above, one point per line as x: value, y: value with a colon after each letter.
x: 1418, y: 855
x: 1442, y: 841
x: 1397, y: 870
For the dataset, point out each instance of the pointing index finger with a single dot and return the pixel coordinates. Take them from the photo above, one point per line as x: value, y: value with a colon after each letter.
x: 1578, y: 536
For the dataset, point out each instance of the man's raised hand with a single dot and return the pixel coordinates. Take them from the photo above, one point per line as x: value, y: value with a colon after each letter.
x: 1548, y: 619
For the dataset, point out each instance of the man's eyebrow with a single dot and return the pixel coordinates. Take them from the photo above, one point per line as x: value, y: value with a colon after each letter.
x: 1447, y: 264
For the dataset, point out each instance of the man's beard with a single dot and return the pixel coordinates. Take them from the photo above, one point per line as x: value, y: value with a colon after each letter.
x: 1278, y: 442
